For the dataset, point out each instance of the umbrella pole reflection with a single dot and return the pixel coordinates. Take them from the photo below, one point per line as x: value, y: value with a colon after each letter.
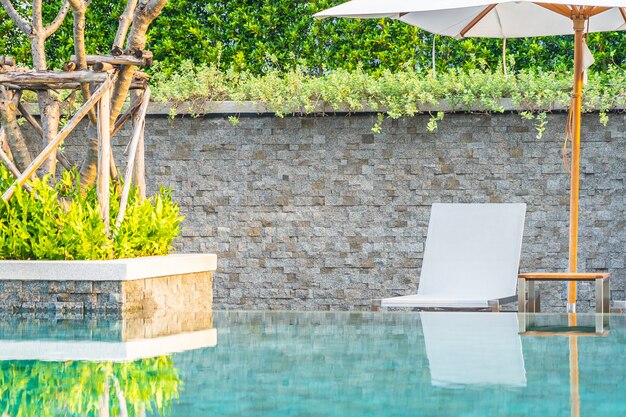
x: 573, y: 370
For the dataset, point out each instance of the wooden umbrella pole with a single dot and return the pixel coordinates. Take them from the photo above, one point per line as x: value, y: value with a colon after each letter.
x: 579, y: 27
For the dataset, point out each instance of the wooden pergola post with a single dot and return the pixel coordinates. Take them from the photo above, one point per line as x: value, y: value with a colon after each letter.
x: 104, y: 159
x: 139, y: 120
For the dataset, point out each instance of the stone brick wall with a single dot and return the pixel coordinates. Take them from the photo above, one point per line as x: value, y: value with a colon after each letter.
x: 319, y: 213
x: 142, y: 298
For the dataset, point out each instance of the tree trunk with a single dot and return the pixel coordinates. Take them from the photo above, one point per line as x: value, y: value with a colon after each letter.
x: 122, y: 29
x: 48, y: 106
x: 89, y: 167
x: 15, y: 139
x: 50, y: 117
x: 145, y: 13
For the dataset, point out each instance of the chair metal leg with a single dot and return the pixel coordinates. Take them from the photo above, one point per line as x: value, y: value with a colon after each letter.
x: 521, y: 295
x: 533, y: 298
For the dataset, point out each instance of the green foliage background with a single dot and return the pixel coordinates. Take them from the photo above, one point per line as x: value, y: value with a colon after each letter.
x: 263, y: 35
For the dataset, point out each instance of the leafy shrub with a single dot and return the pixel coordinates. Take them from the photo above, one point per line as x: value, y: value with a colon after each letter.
x: 400, y: 93
x: 62, y: 221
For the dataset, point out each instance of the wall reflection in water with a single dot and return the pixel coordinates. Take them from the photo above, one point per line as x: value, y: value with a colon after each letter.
x: 104, y: 367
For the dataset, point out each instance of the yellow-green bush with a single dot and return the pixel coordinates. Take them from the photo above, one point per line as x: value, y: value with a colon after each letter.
x: 62, y: 221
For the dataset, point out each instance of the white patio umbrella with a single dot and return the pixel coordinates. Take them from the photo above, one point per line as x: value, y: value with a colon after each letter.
x: 511, y: 19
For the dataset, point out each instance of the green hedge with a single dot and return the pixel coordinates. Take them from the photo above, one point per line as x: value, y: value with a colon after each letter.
x: 264, y: 35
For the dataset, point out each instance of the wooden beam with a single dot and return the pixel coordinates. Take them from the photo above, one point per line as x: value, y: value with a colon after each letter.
x: 140, y: 121
x: 137, y: 84
x: 78, y: 116
x: 103, y: 181
x: 7, y: 61
x: 119, y: 123
x: 116, y: 60
x: 561, y: 9
x: 623, y: 13
x: 139, y: 173
x: 30, y: 119
x: 477, y: 19
x: 9, y: 163
x: 33, y: 122
x: 69, y: 66
x: 48, y: 77
x: 102, y: 66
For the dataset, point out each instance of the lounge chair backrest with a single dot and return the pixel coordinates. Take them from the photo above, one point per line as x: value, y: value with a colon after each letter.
x: 472, y: 251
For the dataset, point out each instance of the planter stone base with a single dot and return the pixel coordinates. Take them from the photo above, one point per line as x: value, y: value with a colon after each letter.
x: 138, y: 287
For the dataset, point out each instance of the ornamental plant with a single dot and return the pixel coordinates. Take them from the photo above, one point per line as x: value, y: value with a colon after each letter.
x: 61, y: 221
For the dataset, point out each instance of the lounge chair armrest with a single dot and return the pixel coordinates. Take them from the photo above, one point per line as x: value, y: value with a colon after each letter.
x: 494, y: 305
x: 507, y: 300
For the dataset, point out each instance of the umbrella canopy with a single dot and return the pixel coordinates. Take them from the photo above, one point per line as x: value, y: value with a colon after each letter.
x: 489, y: 19
x: 511, y: 19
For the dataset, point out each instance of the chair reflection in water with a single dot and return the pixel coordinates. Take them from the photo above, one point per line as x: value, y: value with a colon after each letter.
x: 473, y: 349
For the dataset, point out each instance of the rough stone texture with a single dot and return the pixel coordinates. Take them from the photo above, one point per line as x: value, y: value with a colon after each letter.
x: 319, y: 213
x: 164, y: 323
x: 113, y: 326
x: 142, y: 299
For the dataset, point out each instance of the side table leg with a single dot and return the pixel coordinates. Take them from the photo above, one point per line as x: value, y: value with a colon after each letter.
x: 603, y: 295
x: 533, y: 298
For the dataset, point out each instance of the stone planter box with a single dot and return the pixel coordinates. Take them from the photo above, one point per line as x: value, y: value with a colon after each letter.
x: 138, y: 286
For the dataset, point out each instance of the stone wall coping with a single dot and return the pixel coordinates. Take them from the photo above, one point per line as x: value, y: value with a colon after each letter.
x: 111, y: 270
x: 259, y: 108
x: 256, y: 108
x: 59, y: 350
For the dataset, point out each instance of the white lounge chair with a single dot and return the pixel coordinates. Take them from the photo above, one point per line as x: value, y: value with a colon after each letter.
x: 473, y: 349
x: 471, y: 258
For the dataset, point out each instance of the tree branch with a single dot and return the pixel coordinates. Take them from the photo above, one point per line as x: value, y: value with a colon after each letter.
x: 77, y: 4
x: 125, y: 20
x: 56, y: 23
x: 79, y: 9
x: 38, y: 18
x: 21, y: 23
x: 14, y: 137
x: 145, y: 12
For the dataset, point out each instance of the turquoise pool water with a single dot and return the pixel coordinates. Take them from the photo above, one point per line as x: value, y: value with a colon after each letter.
x: 318, y: 364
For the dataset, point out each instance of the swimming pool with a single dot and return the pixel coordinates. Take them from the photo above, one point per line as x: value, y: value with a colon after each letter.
x: 315, y: 364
